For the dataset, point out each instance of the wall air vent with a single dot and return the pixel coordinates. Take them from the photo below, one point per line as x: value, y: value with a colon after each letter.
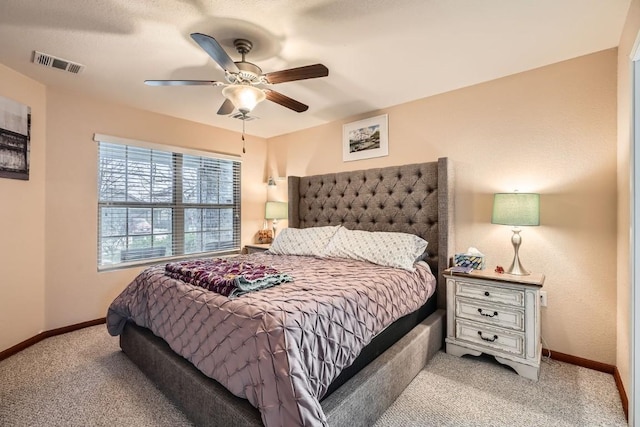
x: 246, y: 117
x: 55, y: 62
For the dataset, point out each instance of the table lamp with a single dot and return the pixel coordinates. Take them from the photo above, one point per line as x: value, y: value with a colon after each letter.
x: 276, y: 211
x: 516, y: 209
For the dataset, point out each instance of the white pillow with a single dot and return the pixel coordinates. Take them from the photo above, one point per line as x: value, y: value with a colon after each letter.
x: 303, y: 241
x: 400, y: 250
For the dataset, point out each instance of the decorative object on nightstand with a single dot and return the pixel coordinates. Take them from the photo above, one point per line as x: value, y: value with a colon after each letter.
x: 516, y: 209
x: 265, y: 235
x: 275, y: 211
x: 496, y: 314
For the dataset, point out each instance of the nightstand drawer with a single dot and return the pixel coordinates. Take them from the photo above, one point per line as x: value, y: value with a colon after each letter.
x: 490, y: 337
x: 488, y: 293
x: 494, y: 314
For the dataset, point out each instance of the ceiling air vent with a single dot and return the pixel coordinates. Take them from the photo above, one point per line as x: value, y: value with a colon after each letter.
x: 55, y: 62
x: 246, y: 117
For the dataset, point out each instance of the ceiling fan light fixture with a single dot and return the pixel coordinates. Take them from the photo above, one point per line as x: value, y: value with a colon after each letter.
x: 244, y: 97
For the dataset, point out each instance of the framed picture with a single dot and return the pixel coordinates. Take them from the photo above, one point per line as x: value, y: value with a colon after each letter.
x: 365, y: 139
x: 15, y: 135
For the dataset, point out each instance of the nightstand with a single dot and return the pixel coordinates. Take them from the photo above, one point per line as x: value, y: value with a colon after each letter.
x: 495, y: 314
x: 256, y: 247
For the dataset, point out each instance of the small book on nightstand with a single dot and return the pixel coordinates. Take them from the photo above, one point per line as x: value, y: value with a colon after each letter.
x: 461, y: 269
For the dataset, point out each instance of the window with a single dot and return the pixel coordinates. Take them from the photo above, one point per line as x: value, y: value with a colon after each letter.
x: 156, y: 204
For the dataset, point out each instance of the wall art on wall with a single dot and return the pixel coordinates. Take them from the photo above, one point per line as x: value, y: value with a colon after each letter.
x: 365, y: 139
x: 15, y: 136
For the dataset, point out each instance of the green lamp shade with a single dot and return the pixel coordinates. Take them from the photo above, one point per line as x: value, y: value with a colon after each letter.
x: 516, y: 209
x: 276, y: 210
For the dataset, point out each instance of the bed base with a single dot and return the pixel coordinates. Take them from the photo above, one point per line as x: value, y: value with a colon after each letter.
x: 358, y: 402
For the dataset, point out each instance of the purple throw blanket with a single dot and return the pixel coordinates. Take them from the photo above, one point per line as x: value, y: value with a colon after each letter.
x: 279, y: 348
x: 226, y: 276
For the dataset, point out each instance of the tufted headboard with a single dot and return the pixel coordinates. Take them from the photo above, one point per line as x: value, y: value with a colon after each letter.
x: 414, y: 199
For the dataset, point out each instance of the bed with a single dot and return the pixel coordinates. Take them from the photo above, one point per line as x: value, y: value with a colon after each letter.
x: 414, y: 199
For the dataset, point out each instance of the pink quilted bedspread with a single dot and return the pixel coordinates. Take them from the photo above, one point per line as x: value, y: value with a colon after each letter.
x: 281, y: 347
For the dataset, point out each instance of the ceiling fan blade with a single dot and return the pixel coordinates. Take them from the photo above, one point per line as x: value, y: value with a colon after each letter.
x: 182, y: 83
x: 213, y: 48
x: 285, y: 101
x: 300, y: 73
x: 226, y: 108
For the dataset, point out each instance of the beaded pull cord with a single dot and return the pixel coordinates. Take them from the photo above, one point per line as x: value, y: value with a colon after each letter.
x: 244, y: 117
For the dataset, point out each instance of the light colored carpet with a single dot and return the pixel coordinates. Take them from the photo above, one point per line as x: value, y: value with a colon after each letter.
x: 478, y: 391
x: 83, y: 379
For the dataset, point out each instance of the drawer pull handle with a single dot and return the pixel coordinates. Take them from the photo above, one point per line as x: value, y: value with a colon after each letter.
x: 486, y: 294
x: 495, y: 337
x: 495, y: 313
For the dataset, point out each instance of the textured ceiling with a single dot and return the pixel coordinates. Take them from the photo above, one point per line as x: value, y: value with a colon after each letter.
x: 379, y: 52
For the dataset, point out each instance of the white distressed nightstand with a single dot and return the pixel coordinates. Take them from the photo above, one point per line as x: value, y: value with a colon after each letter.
x: 256, y: 247
x: 496, y: 314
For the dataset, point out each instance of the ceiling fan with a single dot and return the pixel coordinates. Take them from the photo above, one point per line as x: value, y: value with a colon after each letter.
x: 244, y: 78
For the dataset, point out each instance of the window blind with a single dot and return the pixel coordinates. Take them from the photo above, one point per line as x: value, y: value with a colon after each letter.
x: 155, y: 204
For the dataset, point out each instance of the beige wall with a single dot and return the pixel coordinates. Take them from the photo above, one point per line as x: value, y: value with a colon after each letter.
x: 49, y: 265
x: 75, y: 291
x: 22, y: 206
x: 551, y: 130
x: 629, y: 35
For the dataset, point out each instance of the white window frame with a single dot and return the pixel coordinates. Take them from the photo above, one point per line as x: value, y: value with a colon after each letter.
x: 178, y: 206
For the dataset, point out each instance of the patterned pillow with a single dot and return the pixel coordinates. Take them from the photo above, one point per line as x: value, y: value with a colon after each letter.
x: 390, y: 249
x: 303, y: 241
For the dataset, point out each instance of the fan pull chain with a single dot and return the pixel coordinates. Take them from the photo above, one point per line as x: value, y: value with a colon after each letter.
x: 243, y: 143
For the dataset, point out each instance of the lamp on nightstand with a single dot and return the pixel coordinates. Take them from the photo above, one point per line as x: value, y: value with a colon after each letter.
x: 276, y: 211
x: 516, y: 209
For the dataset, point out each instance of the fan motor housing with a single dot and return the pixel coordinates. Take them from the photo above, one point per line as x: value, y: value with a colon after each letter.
x: 249, y: 73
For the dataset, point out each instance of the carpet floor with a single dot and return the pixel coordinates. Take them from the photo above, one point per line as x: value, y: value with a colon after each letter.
x: 83, y: 379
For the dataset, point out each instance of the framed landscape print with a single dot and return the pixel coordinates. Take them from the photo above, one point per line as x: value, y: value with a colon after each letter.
x: 15, y: 135
x: 365, y: 139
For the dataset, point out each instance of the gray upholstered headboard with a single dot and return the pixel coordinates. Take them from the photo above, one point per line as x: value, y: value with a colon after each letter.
x: 415, y: 199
